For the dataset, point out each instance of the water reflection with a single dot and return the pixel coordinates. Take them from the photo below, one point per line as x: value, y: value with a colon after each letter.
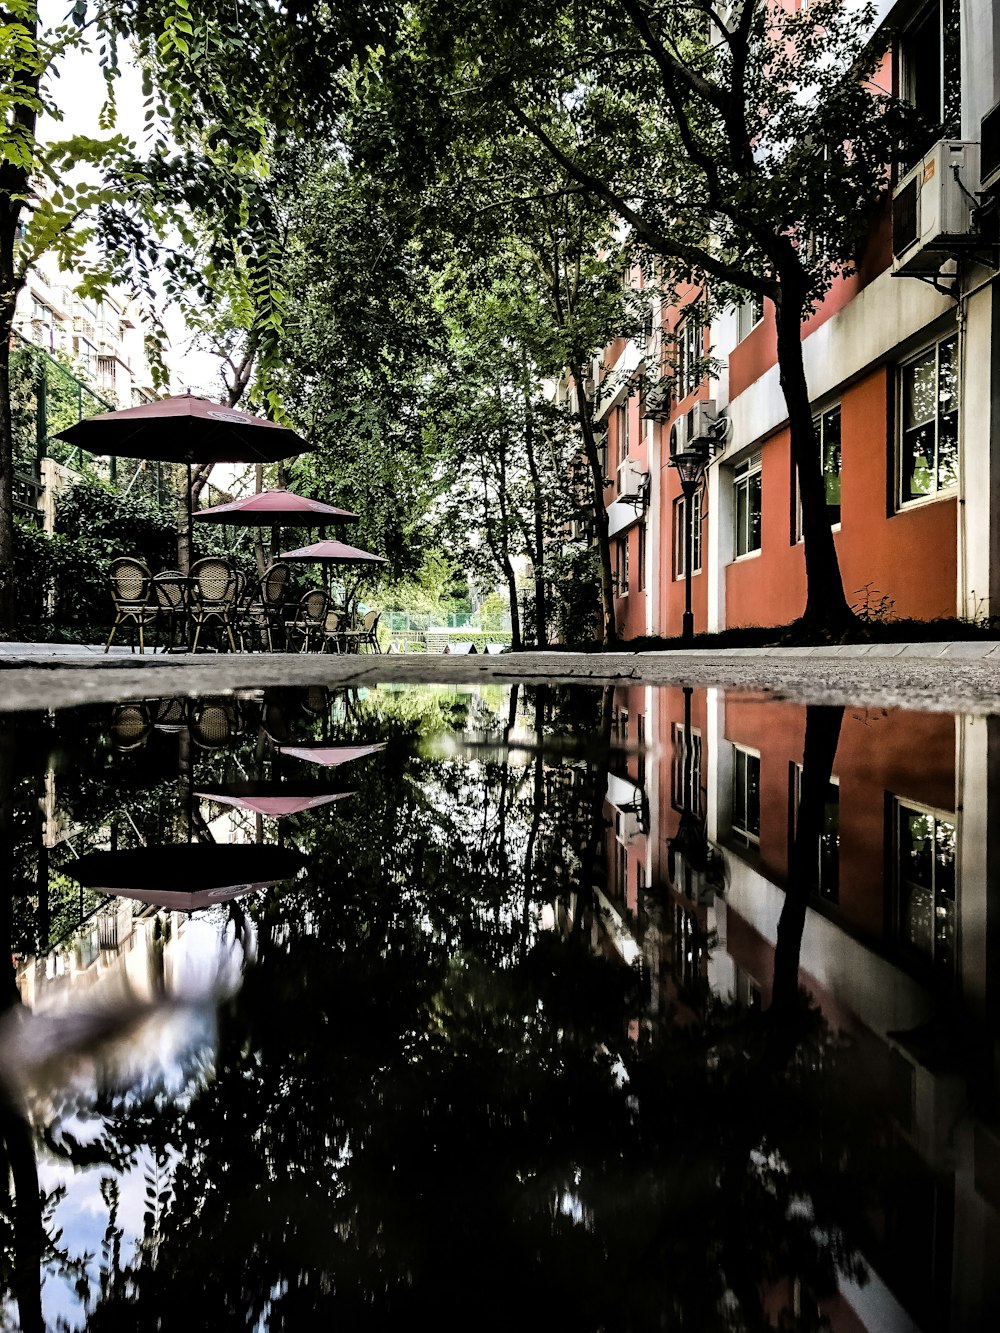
x: 593, y: 1009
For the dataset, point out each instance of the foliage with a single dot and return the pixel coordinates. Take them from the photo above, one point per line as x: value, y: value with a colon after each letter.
x: 578, y: 597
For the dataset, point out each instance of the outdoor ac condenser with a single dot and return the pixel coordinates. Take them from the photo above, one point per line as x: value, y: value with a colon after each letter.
x: 695, y: 428
x: 932, y: 208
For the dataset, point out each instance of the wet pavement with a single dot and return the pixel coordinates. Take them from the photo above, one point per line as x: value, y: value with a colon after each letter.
x: 949, y: 676
x: 570, y: 1006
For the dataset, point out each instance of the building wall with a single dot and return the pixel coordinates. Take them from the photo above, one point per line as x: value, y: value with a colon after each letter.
x: 908, y: 555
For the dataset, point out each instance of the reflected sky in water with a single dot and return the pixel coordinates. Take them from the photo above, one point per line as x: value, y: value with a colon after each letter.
x: 575, y: 1008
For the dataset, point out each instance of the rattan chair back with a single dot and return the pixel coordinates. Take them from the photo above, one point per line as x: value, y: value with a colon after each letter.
x: 273, y: 583
x: 130, y: 582
x: 213, y: 583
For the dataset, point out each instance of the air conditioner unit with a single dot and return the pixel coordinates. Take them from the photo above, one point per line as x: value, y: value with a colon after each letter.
x: 632, y: 481
x: 657, y: 399
x: 702, y: 419
x: 932, y: 208
x: 989, y: 166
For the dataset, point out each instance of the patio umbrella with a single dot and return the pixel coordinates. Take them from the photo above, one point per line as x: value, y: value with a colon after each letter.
x: 274, y: 509
x: 272, y: 799
x: 209, y: 872
x: 333, y: 553
x: 330, y: 755
x: 185, y: 429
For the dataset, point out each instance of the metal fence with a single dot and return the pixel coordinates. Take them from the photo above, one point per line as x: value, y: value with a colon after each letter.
x: 47, y: 396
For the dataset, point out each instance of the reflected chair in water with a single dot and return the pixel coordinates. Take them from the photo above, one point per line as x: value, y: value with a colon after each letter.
x: 215, y: 725
x: 130, y: 726
x: 131, y: 585
x: 212, y: 597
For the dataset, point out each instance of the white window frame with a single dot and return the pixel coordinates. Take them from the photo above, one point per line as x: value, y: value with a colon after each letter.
x: 690, y: 350
x: 743, y: 474
x: 749, y: 313
x: 680, y: 519
x: 819, y: 426
x: 744, y: 835
x: 951, y: 818
x: 621, y: 565
x: 686, y: 791
x: 938, y: 492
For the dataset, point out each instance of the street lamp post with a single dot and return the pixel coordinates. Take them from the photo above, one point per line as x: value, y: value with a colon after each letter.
x: 690, y: 465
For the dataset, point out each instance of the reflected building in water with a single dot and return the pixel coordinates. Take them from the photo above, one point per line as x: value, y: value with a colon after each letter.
x: 898, y: 951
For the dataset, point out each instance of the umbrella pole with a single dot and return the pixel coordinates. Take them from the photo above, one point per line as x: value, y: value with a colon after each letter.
x: 190, y: 522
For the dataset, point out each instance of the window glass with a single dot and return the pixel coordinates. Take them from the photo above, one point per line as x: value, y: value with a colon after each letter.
x: 746, y: 795
x: 925, y: 884
x: 747, y: 502
x: 929, y: 444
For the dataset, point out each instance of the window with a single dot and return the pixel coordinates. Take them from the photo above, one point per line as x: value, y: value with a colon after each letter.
x: 930, y: 73
x: 925, y: 884
x: 690, y: 353
x: 929, y: 422
x: 749, y: 313
x: 828, y: 850
x: 746, y: 498
x: 746, y: 796
x: 622, y: 432
x: 641, y: 557
x: 640, y: 740
x: 827, y: 428
x: 683, y: 513
x: 685, y: 771
x: 621, y: 566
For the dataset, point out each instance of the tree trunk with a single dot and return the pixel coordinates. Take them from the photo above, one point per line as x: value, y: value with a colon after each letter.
x: 827, y: 613
x: 609, y: 626
x: 538, y: 518
x: 819, y: 752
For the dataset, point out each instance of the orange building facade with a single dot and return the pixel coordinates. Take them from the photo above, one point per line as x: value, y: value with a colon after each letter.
x: 906, y: 391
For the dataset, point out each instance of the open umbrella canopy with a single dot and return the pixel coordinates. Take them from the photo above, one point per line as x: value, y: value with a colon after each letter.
x: 334, y: 553
x: 186, y: 876
x: 330, y: 755
x: 275, y: 508
x: 273, y: 799
x: 186, y: 429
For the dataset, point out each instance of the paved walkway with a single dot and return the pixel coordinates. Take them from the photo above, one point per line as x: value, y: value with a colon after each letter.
x: 962, y: 676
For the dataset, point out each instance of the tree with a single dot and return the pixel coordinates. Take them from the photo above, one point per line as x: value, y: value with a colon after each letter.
x: 749, y: 152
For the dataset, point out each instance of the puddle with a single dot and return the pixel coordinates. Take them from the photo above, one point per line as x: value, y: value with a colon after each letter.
x: 585, y: 1008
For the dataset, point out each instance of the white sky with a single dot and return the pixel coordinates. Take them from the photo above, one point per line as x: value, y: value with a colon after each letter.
x: 80, y: 92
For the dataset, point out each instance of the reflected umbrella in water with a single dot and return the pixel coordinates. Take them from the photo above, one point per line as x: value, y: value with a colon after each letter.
x: 330, y: 755
x: 272, y: 799
x: 209, y: 873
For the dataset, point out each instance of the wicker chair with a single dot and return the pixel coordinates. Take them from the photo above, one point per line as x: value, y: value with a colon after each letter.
x: 334, y: 635
x: 368, y: 632
x: 212, y: 597
x: 131, y: 584
x: 215, y: 724
x: 262, y: 616
x: 310, y: 620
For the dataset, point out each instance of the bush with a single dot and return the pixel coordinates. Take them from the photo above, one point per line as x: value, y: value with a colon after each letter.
x: 578, y: 598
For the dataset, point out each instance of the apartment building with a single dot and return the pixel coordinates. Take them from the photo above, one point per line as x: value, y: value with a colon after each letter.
x: 903, y: 374
x: 101, y: 340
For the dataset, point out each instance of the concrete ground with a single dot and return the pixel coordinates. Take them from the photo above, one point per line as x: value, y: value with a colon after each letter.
x: 959, y: 676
